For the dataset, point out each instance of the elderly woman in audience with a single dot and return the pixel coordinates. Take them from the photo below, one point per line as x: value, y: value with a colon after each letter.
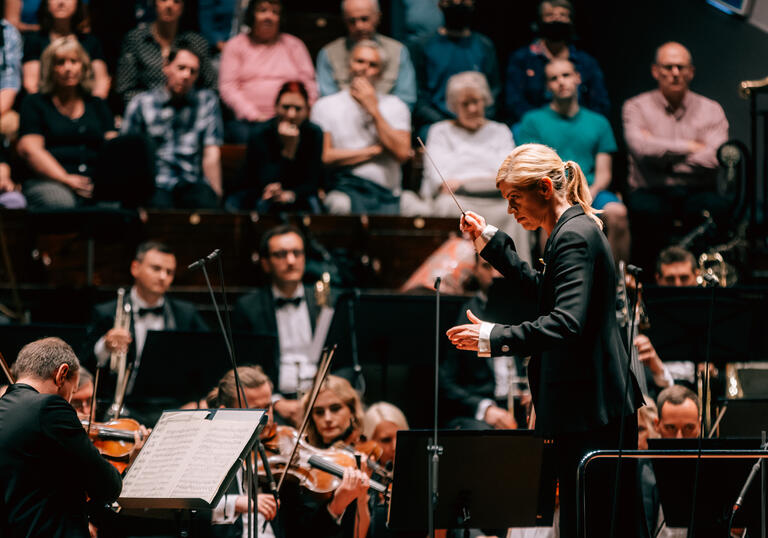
x: 61, y: 18
x: 283, y: 159
x: 468, y: 150
x: 255, y: 64
x: 145, y: 49
x: 63, y: 128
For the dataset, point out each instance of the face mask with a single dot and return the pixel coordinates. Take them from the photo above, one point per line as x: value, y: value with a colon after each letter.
x: 458, y: 16
x: 556, y: 31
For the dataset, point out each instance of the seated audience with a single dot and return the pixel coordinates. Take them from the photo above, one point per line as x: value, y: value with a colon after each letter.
x: 183, y: 125
x: 62, y: 129
x: 454, y: 48
x: 256, y: 64
x: 526, y: 84
x: 22, y: 14
x: 367, y: 137
x: 146, y: 48
x: 218, y: 21
x: 672, y: 136
x: 10, y: 80
x: 468, y: 151
x: 61, y: 18
x: 578, y: 134
x: 362, y: 18
x: 283, y: 166
x: 10, y: 192
x: 411, y: 20
x: 679, y: 413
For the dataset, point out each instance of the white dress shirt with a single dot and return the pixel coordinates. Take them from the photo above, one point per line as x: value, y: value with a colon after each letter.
x: 294, y: 331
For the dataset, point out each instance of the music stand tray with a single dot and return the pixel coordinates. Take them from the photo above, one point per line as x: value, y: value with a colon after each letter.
x: 493, y: 474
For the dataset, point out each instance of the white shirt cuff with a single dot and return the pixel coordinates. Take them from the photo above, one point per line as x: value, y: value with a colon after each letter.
x: 482, y: 407
x: 488, y: 232
x: 224, y: 513
x: 664, y: 379
x: 484, y: 341
x: 277, y: 397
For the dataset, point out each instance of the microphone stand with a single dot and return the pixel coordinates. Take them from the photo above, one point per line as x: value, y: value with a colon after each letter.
x: 759, y: 464
x: 434, y: 450
x: 358, y: 370
x: 635, y: 271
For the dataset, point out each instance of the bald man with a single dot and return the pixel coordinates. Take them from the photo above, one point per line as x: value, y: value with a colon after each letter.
x: 672, y: 134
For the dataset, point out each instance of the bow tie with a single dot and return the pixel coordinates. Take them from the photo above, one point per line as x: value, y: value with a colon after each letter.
x: 156, y: 310
x: 282, y: 301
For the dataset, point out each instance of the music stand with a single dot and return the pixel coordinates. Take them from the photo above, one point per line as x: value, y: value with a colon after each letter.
x: 181, y: 366
x: 744, y: 418
x: 720, y: 481
x: 13, y: 337
x: 488, y: 479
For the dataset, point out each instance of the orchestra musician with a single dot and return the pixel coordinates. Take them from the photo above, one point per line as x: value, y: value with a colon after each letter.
x: 285, y: 309
x: 152, y: 269
x: 578, y: 362
x: 48, y: 465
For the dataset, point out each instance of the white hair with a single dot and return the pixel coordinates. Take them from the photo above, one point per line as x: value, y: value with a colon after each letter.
x: 374, y: 5
x: 371, y: 44
x: 466, y: 80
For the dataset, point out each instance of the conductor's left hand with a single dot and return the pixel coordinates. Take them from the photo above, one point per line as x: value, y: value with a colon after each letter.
x: 466, y: 337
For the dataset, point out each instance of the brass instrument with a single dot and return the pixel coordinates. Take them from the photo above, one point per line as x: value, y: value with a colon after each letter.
x: 118, y: 359
x: 746, y: 87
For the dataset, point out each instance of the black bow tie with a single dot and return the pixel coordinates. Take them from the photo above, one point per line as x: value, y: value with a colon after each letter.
x: 282, y: 301
x: 156, y: 310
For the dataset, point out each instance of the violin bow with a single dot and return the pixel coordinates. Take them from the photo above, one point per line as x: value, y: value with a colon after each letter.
x: 322, y: 372
x: 6, y: 369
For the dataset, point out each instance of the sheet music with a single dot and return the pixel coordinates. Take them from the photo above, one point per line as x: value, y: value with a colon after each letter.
x: 188, y: 456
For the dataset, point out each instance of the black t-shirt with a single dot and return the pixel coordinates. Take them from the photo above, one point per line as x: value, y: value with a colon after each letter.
x: 74, y: 143
x: 35, y: 44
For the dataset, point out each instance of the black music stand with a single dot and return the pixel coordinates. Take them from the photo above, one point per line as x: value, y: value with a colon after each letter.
x: 720, y: 481
x: 181, y: 366
x: 488, y: 479
x: 13, y: 337
x: 744, y: 418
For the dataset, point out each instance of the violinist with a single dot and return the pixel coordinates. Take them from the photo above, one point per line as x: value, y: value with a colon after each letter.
x: 81, y: 398
x: 381, y: 422
x: 48, y: 466
x: 230, y: 517
x: 336, y: 418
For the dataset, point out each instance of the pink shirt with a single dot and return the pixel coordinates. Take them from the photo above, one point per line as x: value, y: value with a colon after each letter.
x: 658, y: 140
x: 251, y: 74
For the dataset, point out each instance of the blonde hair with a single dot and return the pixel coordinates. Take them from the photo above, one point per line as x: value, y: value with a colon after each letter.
x: 48, y: 62
x: 528, y: 163
x: 381, y: 412
x: 344, y: 391
x: 251, y: 377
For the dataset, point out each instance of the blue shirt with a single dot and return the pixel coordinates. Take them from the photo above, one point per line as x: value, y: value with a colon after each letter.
x: 180, y: 131
x: 10, y: 71
x: 526, y: 85
x: 579, y: 138
x: 438, y: 58
x: 217, y: 20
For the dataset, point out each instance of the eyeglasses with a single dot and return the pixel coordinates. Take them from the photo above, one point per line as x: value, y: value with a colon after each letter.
x: 283, y: 254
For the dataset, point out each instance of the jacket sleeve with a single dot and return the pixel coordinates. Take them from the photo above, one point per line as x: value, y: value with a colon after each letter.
x: 501, y: 253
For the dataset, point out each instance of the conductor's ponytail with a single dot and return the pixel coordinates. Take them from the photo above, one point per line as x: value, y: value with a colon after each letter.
x: 577, y: 190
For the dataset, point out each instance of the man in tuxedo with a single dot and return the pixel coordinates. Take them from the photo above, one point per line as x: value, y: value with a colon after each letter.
x: 286, y: 310
x: 153, y: 269
x: 48, y: 466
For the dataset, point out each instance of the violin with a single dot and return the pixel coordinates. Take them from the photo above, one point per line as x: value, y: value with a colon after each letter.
x: 319, y: 470
x: 114, y: 439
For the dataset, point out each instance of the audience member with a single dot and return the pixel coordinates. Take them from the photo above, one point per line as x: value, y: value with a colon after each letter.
x: 366, y: 138
x: 111, y: 21
x: 10, y: 195
x: 62, y: 129
x: 255, y: 64
x: 61, y: 18
x: 10, y: 80
x: 283, y: 166
x: 183, y: 125
x: 578, y: 134
x: 468, y: 151
x: 22, y: 14
x: 218, y: 21
x: 679, y: 413
x: 362, y: 18
x: 146, y: 49
x: 452, y: 49
x: 412, y: 20
x: 672, y: 135
x: 287, y: 310
x: 526, y: 84
x: 478, y: 395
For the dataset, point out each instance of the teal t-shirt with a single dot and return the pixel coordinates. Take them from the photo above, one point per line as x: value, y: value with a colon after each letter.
x: 579, y: 138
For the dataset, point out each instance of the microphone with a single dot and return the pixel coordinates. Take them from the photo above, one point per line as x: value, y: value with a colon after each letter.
x: 202, y: 261
x: 710, y: 279
x: 437, y: 283
x: 633, y: 269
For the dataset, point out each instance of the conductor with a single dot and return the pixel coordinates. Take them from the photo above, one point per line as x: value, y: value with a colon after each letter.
x: 578, y: 363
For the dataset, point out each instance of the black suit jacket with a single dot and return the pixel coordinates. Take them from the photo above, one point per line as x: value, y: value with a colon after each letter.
x: 255, y: 313
x: 47, y: 467
x: 577, y: 365
x: 179, y: 315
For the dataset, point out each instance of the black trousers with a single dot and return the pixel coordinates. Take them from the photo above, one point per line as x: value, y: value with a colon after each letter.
x: 569, y: 449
